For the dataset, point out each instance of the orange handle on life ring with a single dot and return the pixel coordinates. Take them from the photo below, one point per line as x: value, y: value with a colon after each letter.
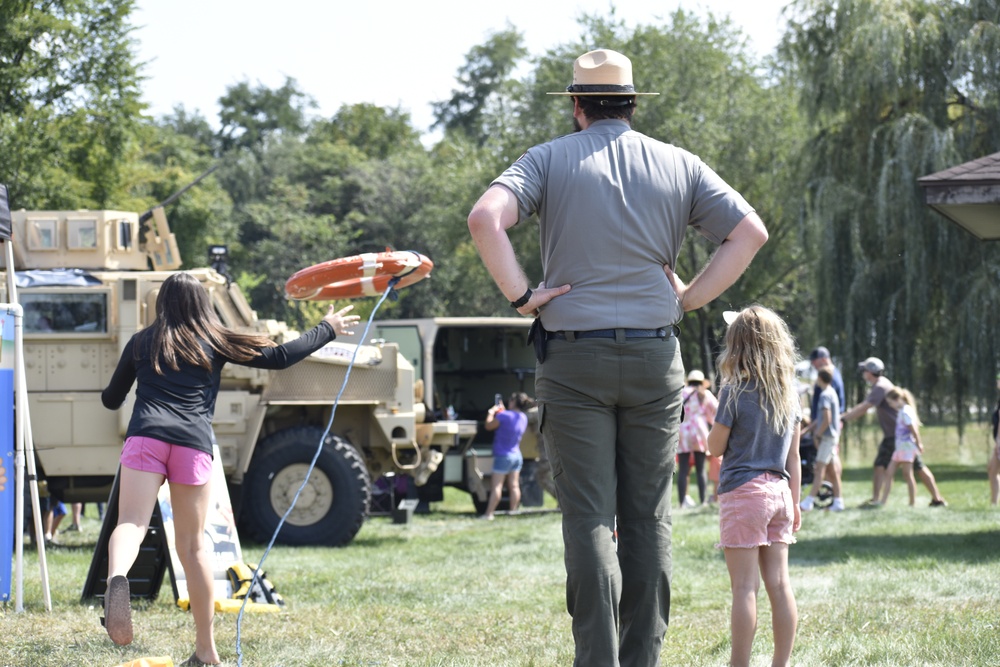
x: 367, y: 274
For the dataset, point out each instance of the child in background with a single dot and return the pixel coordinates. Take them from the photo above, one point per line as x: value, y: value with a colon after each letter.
x: 907, y: 442
x: 826, y: 429
x: 699, y: 413
x: 757, y: 429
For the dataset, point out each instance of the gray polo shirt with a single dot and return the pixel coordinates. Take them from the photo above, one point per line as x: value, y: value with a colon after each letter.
x: 613, y: 206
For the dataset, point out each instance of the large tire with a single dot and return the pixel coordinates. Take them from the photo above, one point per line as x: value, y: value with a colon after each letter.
x: 332, y: 506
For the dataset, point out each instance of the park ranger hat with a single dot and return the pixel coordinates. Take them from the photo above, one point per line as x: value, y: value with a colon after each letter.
x: 602, y: 73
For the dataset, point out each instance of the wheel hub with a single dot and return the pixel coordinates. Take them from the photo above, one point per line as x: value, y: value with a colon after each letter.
x: 313, y: 503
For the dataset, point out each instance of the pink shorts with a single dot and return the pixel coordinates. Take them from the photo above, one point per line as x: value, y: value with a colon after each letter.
x: 904, y: 455
x: 180, y: 465
x: 757, y: 513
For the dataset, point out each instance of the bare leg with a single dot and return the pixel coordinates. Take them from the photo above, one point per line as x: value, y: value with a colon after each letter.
x: 136, y: 498
x: 190, y: 505
x: 821, y: 468
x: 887, y: 481
x: 496, y: 488
x: 927, y: 477
x: 911, y: 484
x: 833, y: 473
x: 514, y: 489
x: 744, y: 577
x: 784, y: 612
x: 877, y: 479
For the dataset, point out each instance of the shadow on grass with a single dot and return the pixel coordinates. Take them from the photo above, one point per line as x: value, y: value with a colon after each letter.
x: 942, y: 473
x: 975, y: 547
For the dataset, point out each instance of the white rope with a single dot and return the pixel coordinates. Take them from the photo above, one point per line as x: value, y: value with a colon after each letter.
x: 312, y: 465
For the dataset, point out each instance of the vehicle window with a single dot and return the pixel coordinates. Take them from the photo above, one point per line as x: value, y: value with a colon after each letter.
x: 65, y: 312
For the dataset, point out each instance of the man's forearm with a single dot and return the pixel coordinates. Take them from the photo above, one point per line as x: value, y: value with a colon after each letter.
x: 727, y: 264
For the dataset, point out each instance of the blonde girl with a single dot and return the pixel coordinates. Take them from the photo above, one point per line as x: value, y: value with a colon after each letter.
x: 757, y: 429
x: 907, y: 442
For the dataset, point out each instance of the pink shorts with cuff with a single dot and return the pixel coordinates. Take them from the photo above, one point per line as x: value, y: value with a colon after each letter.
x: 757, y: 514
x: 179, y: 464
x: 904, y: 455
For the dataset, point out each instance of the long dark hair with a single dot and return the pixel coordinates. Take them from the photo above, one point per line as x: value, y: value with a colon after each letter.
x: 521, y: 401
x: 184, y: 318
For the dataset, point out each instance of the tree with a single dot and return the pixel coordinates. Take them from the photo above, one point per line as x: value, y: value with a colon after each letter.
x: 894, y: 91
x: 250, y: 116
x: 69, y: 101
x: 480, y: 108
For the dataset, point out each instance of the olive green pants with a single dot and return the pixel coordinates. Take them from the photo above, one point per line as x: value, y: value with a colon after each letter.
x: 609, y: 414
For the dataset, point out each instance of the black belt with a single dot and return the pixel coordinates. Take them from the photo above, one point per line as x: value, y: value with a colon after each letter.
x: 662, y: 332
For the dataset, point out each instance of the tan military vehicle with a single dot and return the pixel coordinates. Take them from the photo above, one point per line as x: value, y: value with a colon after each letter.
x: 268, y: 424
x: 465, y: 364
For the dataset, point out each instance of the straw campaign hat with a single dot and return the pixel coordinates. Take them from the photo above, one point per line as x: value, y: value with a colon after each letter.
x: 602, y: 73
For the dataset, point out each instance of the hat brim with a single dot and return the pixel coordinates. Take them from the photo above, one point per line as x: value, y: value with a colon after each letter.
x: 568, y: 94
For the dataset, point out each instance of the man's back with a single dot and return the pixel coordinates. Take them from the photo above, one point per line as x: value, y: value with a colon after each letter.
x: 614, y: 205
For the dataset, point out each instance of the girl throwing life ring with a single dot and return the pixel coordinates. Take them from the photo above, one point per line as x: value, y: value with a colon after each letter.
x: 367, y: 274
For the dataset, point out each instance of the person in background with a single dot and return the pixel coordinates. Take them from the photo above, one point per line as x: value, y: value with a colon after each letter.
x: 908, y: 443
x: 613, y: 208
x: 820, y: 359
x: 872, y: 370
x: 700, y: 405
x: 77, y: 510
x: 177, y: 362
x: 757, y: 431
x: 509, y: 425
x: 827, y: 429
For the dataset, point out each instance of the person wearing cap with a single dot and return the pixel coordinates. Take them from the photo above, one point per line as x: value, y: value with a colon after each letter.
x: 821, y: 360
x: 700, y: 406
x: 613, y: 207
x: 872, y: 370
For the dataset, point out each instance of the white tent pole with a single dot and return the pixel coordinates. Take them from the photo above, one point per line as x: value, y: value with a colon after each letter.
x: 26, y: 451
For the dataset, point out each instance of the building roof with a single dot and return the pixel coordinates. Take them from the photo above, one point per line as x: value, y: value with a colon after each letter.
x: 985, y: 170
x: 969, y: 195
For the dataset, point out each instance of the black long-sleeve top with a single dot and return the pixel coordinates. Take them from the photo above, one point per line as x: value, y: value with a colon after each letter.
x: 177, y: 406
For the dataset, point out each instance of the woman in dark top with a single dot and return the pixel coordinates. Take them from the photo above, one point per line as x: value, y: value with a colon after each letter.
x: 177, y: 362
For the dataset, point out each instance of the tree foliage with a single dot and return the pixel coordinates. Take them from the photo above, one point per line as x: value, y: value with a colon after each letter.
x: 894, y: 91
x: 69, y: 101
x: 826, y: 140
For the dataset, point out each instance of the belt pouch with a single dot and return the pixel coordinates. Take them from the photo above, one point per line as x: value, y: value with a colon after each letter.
x: 536, y: 337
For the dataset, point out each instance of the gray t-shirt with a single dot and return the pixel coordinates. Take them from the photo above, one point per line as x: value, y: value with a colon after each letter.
x: 753, y: 448
x: 886, y: 413
x: 828, y: 400
x: 613, y: 206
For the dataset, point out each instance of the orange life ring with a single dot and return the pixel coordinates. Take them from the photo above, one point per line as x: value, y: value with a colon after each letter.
x: 367, y: 274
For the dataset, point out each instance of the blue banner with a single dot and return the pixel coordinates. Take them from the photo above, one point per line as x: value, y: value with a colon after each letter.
x: 6, y: 453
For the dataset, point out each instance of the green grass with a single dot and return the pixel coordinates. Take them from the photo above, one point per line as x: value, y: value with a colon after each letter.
x: 897, y: 586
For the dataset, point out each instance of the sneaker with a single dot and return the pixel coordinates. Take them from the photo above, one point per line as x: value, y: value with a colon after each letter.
x: 807, y: 504
x: 687, y: 503
x: 837, y: 505
x: 72, y: 528
x: 939, y: 503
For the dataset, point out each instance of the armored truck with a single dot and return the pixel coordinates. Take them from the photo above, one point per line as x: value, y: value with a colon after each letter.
x: 465, y: 363
x: 268, y: 424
